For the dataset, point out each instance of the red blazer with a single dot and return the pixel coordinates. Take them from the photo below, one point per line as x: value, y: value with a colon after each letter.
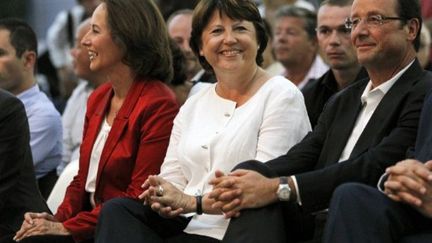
x: 135, y: 148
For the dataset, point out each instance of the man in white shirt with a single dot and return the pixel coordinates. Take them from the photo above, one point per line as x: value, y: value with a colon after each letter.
x: 363, y: 129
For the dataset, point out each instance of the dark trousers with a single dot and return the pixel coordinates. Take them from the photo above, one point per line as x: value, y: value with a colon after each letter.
x: 43, y: 239
x: 362, y: 214
x: 126, y: 220
x: 46, y: 183
x: 278, y: 222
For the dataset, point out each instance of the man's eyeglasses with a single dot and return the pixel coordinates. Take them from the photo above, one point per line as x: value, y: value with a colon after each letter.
x: 371, y: 21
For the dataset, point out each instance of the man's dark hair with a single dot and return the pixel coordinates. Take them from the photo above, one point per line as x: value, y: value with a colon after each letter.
x: 22, y: 37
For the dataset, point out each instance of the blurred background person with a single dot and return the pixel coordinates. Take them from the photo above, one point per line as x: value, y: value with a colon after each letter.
x: 270, y: 7
x: 73, y: 117
x: 296, y: 47
x: 60, y: 40
x: 423, y: 54
x: 179, y: 83
x: 334, y: 40
x: 18, y: 189
x: 127, y: 124
x: 17, y: 75
x: 180, y: 28
x: 168, y: 7
x: 246, y: 114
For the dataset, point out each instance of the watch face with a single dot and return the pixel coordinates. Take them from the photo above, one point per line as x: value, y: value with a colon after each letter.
x: 284, y: 192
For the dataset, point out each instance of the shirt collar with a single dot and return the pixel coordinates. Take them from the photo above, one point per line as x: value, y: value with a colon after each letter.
x: 29, y: 93
x: 384, y: 87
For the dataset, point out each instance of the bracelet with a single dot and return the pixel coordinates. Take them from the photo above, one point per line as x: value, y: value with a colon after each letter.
x: 199, y: 209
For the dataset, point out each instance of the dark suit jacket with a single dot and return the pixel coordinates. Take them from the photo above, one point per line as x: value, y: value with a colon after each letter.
x: 317, y: 92
x: 135, y: 148
x: 389, y: 133
x: 18, y: 190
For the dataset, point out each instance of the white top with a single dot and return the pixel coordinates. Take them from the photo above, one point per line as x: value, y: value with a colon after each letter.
x: 57, y: 37
x: 73, y: 123
x: 211, y: 134
x: 98, y: 146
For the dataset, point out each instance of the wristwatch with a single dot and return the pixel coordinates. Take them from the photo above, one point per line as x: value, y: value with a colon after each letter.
x: 284, y: 191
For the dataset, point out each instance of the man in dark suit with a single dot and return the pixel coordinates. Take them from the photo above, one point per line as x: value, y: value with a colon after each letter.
x: 403, y: 213
x: 363, y: 129
x: 18, y: 190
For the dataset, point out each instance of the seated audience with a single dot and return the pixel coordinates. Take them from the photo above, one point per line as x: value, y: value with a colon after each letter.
x: 127, y: 123
x: 18, y: 189
x: 246, y: 114
x: 363, y: 129
x: 19, y: 45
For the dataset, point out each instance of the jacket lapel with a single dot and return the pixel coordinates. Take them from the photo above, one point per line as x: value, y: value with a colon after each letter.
x: 120, y: 124
x: 386, y: 108
x: 345, y: 123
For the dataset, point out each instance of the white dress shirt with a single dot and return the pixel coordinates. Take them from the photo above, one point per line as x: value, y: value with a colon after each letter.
x: 90, y: 185
x: 210, y: 133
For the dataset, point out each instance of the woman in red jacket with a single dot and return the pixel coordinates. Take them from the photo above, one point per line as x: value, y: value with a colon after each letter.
x: 128, y: 120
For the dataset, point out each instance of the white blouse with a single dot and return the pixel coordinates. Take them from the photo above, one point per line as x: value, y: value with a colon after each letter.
x: 98, y: 146
x: 211, y: 134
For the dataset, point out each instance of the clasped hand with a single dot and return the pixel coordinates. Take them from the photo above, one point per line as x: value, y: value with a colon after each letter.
x: 39, y: 224
x: 410, y: 182
x: 171, y: 203
x: 241, y: 189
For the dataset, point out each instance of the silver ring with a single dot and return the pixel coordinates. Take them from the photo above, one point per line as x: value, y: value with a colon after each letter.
x: 159, y: 191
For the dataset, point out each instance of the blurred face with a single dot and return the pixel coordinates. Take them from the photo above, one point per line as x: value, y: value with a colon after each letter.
x: 425, y: 45
x: 291, y: 42
x: 11, y: 67
x: 103, y: 53
x: 334, y: 39
x: 379, y: 44
x: 179, y: 29
x: 81, y: 61
x: 90, y: 5
x: 229, y: 45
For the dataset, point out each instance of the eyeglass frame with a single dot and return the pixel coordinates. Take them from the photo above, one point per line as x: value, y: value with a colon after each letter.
x: 380, y: 19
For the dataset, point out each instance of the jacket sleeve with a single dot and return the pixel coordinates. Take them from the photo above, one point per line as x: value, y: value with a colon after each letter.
x: 14, y: 145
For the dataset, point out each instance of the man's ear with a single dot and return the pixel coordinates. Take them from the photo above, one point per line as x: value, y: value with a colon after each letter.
x: 413, y: 29
x: 29, y: 58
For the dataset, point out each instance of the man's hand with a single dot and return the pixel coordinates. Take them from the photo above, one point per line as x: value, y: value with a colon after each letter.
x: 40, y: 224
x: 410, y: 182
x: 242, y: 189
